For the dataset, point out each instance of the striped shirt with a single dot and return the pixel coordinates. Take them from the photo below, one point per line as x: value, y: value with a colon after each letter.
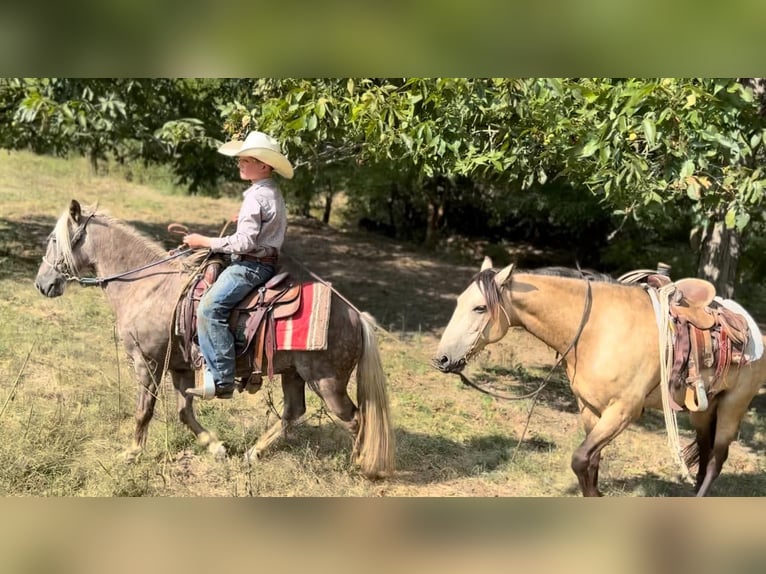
x: 261, y: 223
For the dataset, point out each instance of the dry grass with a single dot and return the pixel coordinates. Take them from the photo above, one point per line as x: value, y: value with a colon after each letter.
x: 67, y: 393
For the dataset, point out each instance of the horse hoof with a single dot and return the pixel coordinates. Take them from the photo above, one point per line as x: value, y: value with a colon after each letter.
x: 218, y: 450
x: 131, y: 455
x: 252, y: 455
x: 205, y: 438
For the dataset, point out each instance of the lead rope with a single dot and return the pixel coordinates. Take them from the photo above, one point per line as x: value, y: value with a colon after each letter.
x: 660, y: 302
x: 536, y: 393
x: 370, y: 319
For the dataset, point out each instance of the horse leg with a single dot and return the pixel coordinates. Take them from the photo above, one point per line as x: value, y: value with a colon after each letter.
x: 589, y: 480
x: 145, y: 401
x: 293, y: 414
x: 731, y: 409
x: 335, y: 396
x: 586, y: 458
x: 702, y: 448
x: 182, y: 380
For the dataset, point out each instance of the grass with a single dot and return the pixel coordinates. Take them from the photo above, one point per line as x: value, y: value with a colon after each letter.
x: 67, y: 392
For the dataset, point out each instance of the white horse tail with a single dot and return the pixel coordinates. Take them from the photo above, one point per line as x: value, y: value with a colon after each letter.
x: 375, y: 444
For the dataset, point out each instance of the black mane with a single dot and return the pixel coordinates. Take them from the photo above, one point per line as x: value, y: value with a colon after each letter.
x: 571, y: 272
x: 486, y: 281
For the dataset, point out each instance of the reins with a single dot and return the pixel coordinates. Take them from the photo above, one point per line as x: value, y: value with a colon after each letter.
x: 536, y: 392
x: 99, y: 281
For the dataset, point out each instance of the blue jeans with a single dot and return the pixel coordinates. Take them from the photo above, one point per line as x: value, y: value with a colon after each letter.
x: 216, y: 341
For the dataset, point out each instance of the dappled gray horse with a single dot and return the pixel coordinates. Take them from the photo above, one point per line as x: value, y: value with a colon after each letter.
x: 144, y: 303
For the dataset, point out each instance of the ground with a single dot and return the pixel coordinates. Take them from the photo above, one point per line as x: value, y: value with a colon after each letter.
x: 67, y: 394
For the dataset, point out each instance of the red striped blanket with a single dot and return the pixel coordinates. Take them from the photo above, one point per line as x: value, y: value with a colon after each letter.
x: 306, y: 330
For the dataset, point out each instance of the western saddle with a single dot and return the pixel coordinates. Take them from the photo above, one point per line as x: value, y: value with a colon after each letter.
x: 252, y: 321
x: 706, y: 335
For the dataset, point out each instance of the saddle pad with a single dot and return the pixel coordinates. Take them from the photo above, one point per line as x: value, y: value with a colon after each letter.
x: 306, y: 329
x: 754, y: 348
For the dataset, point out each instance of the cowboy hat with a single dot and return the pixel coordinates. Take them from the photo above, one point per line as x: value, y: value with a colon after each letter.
x: 262, y: 147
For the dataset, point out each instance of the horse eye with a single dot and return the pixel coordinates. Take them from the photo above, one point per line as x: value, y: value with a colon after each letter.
x: 480, y: 309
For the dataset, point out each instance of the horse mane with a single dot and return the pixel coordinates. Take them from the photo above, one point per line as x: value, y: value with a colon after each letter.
x: 491, y: 291
x: 61, y: 233
x: 137, y: 242
x: 489, y: 288
x: 557, y: 271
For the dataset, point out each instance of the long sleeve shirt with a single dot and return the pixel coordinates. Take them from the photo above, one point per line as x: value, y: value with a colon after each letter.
x: 261, y: 223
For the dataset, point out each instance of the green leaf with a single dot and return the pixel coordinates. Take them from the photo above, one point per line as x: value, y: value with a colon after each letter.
x: 693, y: 189
x: 756, y: 193
x: 650, y: 131
x: 589, y: 149
x: 742, y: 220
x: 407, y: 141
x: 320, y: 108
x: 312, y: 123
x: 731, y: 218
x: 297, y: 124
x: 589, y: 95
x: 687, y: 169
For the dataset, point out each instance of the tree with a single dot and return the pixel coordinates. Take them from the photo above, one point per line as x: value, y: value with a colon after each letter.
x: 162, y: 120
x: 672, y: 140
x: 641, y: 146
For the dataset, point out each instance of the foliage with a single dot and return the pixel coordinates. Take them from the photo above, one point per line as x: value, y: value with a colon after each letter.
x: 155, y: 121
x: 660, y: 141
x: 418, y: 154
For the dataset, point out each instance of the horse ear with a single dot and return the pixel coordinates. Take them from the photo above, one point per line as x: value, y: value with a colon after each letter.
x: 486, y: 264
x: 504, y: 275
x: 75, y: 211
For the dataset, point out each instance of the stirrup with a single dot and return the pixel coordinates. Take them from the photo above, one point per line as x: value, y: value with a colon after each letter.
x: 206, y: 390
x: 696, y: 397
x: 253, y: 383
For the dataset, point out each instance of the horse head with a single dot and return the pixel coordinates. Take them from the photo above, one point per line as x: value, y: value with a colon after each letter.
x: 65, y: 255
x: 479, y: 319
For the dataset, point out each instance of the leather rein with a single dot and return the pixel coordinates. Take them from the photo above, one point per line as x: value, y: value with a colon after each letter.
x: 506, y: 397
x: 101, y: 281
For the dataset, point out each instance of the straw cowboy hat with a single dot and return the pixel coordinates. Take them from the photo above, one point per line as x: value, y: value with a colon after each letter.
x: 262, y: 147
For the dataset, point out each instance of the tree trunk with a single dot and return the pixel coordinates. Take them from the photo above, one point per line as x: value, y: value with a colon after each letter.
x: 327, y: 202
x: 719, y: 256
x: 435, y: 213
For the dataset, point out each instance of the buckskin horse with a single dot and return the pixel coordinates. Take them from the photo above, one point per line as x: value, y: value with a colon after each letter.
x: 144, y: 301
x: 607, y: 333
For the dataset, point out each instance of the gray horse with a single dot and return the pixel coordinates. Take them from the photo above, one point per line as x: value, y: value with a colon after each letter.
x: 144, y: 303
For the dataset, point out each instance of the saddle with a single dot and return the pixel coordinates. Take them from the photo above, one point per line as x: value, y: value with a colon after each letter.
x: 707, y: 335
x: 251, y: 321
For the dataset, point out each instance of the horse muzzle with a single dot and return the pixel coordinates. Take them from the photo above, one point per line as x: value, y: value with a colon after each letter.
x: 53, y: 288
x: 447, y: 365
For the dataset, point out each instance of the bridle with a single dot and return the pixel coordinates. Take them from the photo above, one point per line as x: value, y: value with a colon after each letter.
x: 482, y: 337
x: 72, y: 275
x: 60, y: 264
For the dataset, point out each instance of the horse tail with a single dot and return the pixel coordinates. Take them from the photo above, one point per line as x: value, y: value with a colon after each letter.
x: 375, y: 443
x: 691, y: 455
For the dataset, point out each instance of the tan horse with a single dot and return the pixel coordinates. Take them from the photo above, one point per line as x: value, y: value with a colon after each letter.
x: 143, y: 304
x: 613, y: 368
